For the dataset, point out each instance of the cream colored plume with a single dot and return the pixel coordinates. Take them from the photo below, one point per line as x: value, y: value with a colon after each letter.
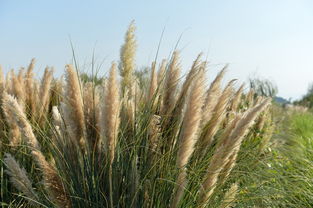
x: 161, y: 72
x: 189, y: 134
x: 127, y: 59
x: 51, y: 181
x: 212, y: 96
x: 111, y: 113
x: 153, y: 82
x: 194, y: 71
x: 14, y: 111
x: 19, y: 178
x: 171, y: 84
x: 44, y: 94
x: 74, y: 107
x: 230, y: 142
x: 218, y: 115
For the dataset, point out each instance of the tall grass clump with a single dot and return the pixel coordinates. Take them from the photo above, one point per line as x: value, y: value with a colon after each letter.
x: 122, y: 143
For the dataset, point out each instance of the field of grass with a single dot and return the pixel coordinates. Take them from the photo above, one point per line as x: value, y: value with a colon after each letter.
x: 162, y: 139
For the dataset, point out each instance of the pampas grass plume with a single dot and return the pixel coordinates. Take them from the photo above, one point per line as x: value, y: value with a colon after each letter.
x: 111, y: 111
x: 189, y: 134
x: 127, y: 57
x: 19, y: 178
x: 74, y: 105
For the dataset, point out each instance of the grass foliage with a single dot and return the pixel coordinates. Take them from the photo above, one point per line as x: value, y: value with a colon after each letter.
x: 163, y: 140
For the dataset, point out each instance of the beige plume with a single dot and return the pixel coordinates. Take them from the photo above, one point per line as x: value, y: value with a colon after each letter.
x: 127, y: 57
x: 153, y: 82
x: 212, y: 96
x: 74, y: 116
x: 171, y: 84
x: 228, y: 144
x: 189, y: 134
x: 111, y: 112
x: 19, y: 178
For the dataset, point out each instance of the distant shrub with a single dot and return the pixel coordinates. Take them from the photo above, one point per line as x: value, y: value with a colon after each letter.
x: 307, y: 99
x: 263, y: 87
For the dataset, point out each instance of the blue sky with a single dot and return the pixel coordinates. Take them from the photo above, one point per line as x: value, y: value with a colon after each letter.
x: 269, y: 38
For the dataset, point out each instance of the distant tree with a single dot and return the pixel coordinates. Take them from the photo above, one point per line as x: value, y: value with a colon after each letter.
x: 307, y: 99
x: 263, y: 87
x: 89, y: 78
x: 310, y: 90
x: 143, y: 75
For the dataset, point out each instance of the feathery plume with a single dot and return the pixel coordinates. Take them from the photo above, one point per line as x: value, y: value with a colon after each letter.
x: 21, y: 80
x: 230, y: 164
x: 161, y: 72
x: 2, y: 89
x: 234, y: 104
x: 14, y: 111
x: 129, y: 111
x: 1, y: 80
x: 216, y: 164
x: 9, y: 82
x: 171, y: 84
x: 196, y: 66
x: 74, y: 117
x: 127, y: 57
x: 236, y: 99
x: 18, y: 91
x: 111, y: 121
x: 30, y: 98
x: 91, y: 103
x: 36, y: 100
x: 52, y: 181
x: 246, y: 122
x: 218, y: 116
x: 57, y: 121
x: 154, y: 131
x: 15, y: 134
x: 191, y: 121
x: 19, y: 178
x: 20, y: 76
x: 111, y: 111
x: 225, y: 149
x: 45, y: 94
x: 153, y: 82
x: 57, y: 118
x: 189, y: 134
x: 213, y: 94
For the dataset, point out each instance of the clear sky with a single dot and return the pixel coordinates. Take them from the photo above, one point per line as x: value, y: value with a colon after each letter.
x: 270, y: 38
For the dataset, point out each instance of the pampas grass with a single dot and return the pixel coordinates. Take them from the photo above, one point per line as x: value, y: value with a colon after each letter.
x: 127, y: 55
x: 189, y: 133
x: 73, y: 107
x: 227, y: 147
x: 44, y: 94
x: 111, y: 120
x: 170, y: 85
x: 128, y: 141
x: 219, y: 113
x: 19, y: 178
x: 212, y: 95
x: 51, y: 178
x: 14, y: 111
x: 111, y: 111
